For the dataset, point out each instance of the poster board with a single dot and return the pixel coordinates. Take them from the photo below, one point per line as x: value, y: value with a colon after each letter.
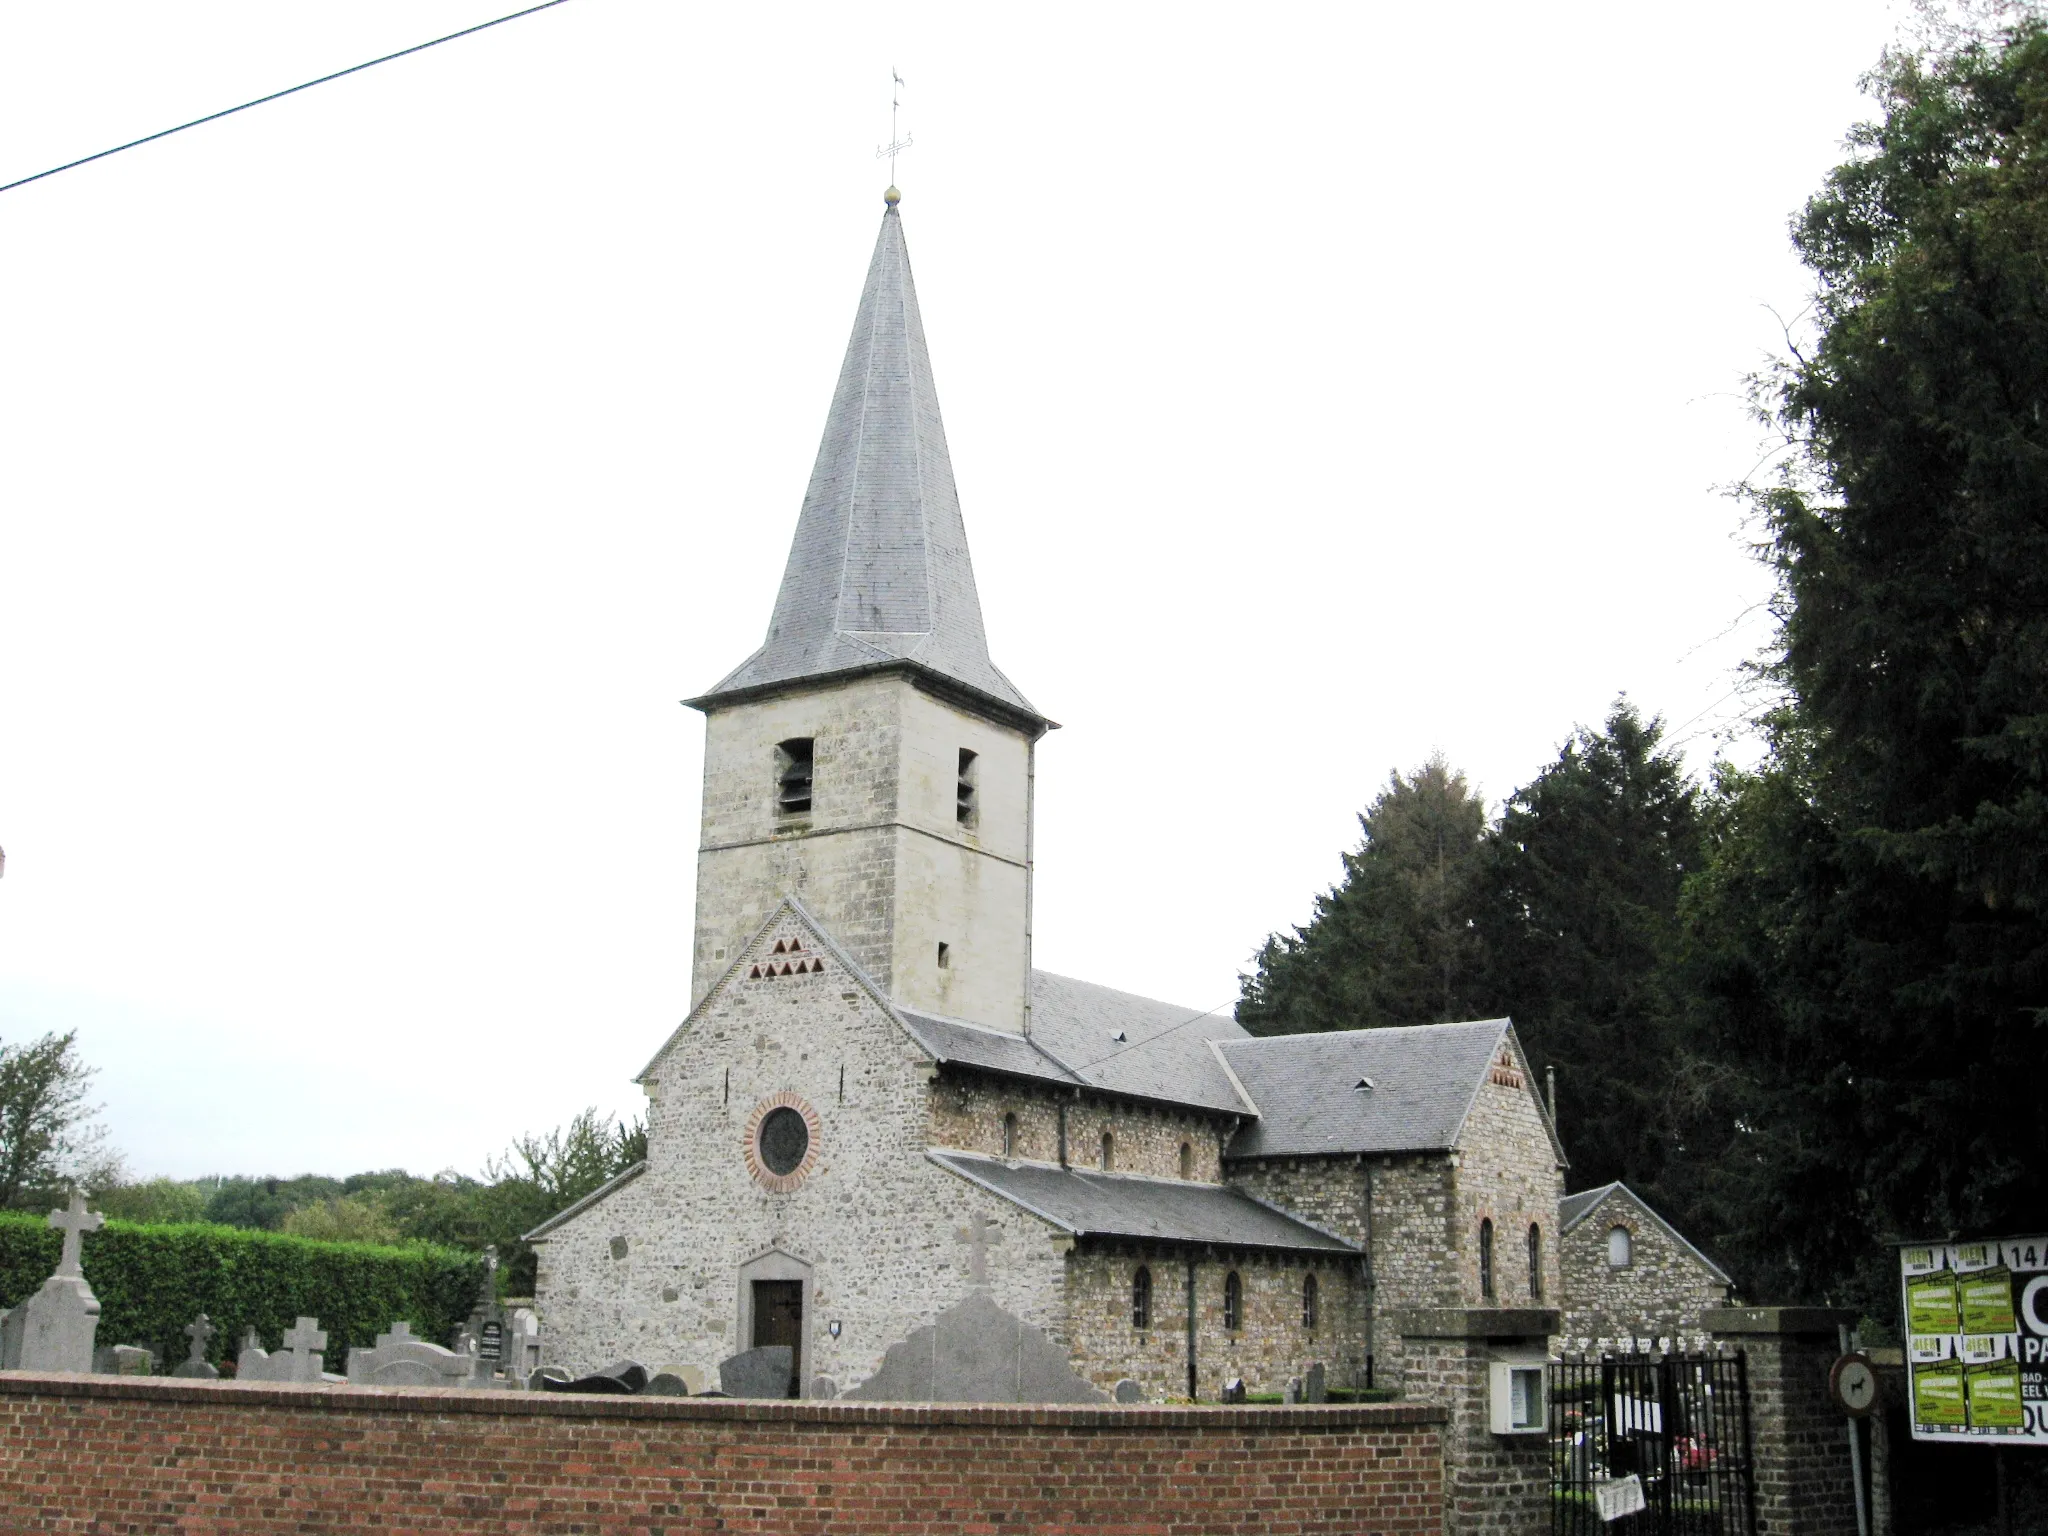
x: 1976, y: 1328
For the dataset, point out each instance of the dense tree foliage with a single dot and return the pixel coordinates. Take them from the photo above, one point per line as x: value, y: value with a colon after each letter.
x: 49, y: 1139
x: 1580, y: 918
x: 1881, y: 939
x: 1393, y: 942
x: 1807, y: 1010
x: 538, y: 1176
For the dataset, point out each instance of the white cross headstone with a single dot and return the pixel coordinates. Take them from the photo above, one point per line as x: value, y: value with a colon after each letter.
x: 74, y: 1222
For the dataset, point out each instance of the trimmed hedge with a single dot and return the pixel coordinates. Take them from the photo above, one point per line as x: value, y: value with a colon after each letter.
x: 153, y: 1280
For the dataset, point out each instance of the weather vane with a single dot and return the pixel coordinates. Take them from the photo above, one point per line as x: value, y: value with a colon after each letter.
x: 895, y: 146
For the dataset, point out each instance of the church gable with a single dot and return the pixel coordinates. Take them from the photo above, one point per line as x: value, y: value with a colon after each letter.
x: 790, y: 959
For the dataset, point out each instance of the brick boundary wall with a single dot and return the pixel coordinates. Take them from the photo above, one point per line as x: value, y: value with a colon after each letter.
x: 137, y: 1454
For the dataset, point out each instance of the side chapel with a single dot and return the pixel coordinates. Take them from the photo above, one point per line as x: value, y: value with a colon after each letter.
x: 876, y: 1101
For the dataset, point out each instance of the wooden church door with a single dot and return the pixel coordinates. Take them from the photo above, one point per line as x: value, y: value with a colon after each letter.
x: 779, y: 1319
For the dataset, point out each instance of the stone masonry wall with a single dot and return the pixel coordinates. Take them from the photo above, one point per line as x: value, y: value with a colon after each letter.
x: 1272, y: 1345
x: 158, y: 1456
x: 655, y: 1271
x: 1415, y: 1258
x: 1507, y: 1172
x: 1659, y: 1295
x: 1798, y: 1443
x: 967, y: 1114
x: 839, y: 859
x: 881, y: 857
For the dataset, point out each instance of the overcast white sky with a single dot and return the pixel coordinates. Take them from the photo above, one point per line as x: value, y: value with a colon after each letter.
x: 378, y: 468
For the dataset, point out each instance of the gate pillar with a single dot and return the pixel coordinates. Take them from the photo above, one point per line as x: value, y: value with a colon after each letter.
x: 1494, y: 1482
x: 1797, y: 1440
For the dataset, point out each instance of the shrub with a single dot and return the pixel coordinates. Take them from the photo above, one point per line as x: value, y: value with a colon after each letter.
x: 153, y: 1280
x: 154, y: 1202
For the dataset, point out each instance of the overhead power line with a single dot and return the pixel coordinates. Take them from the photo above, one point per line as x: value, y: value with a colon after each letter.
x: 353, y: 69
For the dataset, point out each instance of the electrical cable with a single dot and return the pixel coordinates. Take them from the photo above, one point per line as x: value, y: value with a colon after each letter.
x: 546, y: 5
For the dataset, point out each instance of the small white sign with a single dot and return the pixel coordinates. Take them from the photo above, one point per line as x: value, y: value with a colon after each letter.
x: 1619, y: 1496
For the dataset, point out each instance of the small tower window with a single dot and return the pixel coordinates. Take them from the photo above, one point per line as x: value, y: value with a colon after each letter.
x: 1620, y: 1249
x: 945, y: 956
x: 1486, y: 1259
x: 1141, y: 1298
x: 1309, y: 1303
x: 793, y: 776
x: 1187, y: 1160
x: 1233, y: 1302
x: 1108, y: 1152
x: 967, y: 804
x: 1009, y: 1135
x: 1535, y: 1261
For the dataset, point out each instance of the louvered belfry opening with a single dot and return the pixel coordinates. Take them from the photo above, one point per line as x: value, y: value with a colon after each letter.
x: 793, y: 776
x: 967, y: 809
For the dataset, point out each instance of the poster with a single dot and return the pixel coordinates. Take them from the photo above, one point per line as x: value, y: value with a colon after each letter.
x: 1976, y: 1319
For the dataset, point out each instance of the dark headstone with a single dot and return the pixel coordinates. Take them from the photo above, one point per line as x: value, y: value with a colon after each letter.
x: 1128, y: 1391
x: 621, y: 1379
x: 763, y: 1372
x: 667, y: 1384
x: 199, y: 1331
x: 1314, y: 1388
x: 546, y: 1378
x: 123, y: 1360
x: 1233, y: 1390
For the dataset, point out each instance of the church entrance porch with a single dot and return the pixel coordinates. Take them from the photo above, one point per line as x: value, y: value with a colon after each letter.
x: 779, y: 1319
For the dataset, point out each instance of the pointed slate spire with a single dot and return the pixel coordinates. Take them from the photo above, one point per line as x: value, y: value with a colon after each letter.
x: 878, y: 574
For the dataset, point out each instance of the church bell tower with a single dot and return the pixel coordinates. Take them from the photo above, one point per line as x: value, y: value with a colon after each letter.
x: 869, y: 759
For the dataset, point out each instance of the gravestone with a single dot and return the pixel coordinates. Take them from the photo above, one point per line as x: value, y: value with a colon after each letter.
x: 298, y: 1357
x: 823, y: 1389
x: 544, y: 1376
x: 1291, y: 1393
x: 762, y: 1372
x: 400, y: 1360
x: 53, y: 1330
x: 975, y: 1352
x: 665, y: 1384
x: 620, y: 1379
x: 1233, y: 1390
x: 691, y: 1376
x: 1315, y: 1388
x: 521, y: 1356
x: 194, y: 1366
x: 1128, y: 1391
x: 123, y: 1360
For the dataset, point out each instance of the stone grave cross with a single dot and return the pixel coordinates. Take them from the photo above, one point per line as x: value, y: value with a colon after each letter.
x: 75, y: 1221
x: 304, y: 1338
x: 977, y: 1235
x: 200, y: 1331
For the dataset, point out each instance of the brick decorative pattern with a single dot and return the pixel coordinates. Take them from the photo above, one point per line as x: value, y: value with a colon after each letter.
x: 142, y: 1455
x: 1657, y: 1297
x: 750, y: 1143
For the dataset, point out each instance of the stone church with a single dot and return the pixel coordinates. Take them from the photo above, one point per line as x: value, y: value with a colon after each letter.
x: 876, y: 1102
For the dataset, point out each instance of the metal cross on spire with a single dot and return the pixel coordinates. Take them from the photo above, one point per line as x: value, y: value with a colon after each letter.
x: 896, y: 145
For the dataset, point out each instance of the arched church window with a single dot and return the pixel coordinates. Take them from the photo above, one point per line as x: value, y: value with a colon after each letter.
x: 1486, y: 1259
x: 1620, y: 1248
x: 1535, y: 1261
x: 793, y: 776
x: 1233, y: 1302
x: 1009, y: 1135
x: 1108, y: 1152
x: 967, y: 800
x: 1187, y: 1160
x: 1141, y: 1298
x: 1309, y: 1302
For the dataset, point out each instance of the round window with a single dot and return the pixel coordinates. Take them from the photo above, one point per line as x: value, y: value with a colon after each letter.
x: 784, y: 1139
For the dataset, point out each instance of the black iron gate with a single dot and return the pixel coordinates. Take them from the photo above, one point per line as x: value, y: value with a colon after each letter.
x: 1678, y: 1424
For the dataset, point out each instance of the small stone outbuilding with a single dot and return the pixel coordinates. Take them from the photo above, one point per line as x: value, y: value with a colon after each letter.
x: 1631, y: 1280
